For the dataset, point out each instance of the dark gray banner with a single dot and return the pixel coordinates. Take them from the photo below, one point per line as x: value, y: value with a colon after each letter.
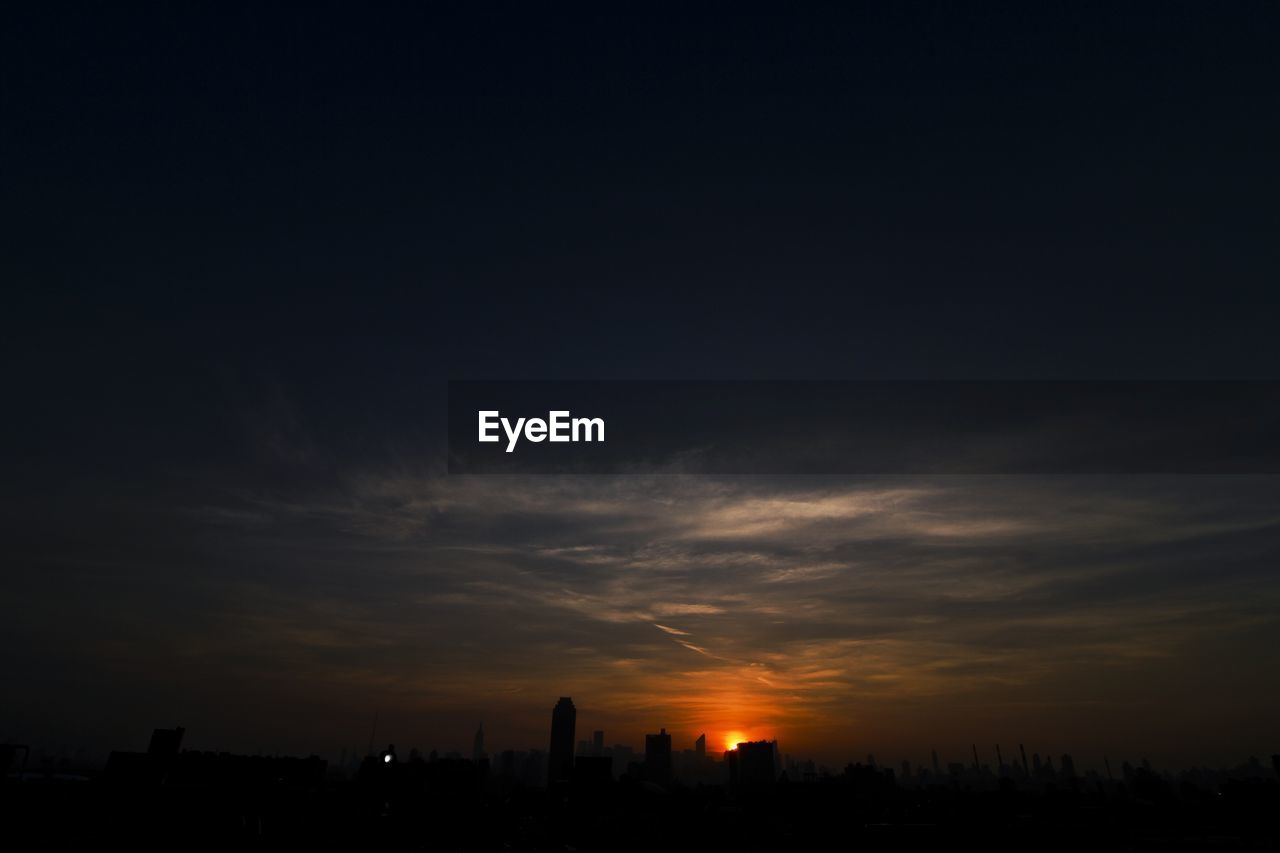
x: 865, y: 427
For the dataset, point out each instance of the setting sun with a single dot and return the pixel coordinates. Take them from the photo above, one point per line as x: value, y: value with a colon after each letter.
x: 732, y: 739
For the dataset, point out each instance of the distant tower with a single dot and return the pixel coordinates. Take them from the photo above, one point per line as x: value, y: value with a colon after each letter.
x: 657, y: 757
x: 1025, y: 767
x: 700, y: 746
x: 597, y: 742
x: 560, y: 757
x: 936, y: 770
x: 477, y: 746
x: 165, y: 743
x: 163, y: 749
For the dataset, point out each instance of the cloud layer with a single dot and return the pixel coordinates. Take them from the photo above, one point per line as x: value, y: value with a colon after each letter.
x: 839, y: 616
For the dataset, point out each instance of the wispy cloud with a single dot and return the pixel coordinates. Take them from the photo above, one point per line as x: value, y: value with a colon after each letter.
x: 812, y: 607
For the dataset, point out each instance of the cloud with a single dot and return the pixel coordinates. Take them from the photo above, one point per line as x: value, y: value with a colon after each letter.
x: 815, y: 609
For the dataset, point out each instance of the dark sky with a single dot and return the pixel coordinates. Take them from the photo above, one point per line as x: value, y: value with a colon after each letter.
x: 243, y: 248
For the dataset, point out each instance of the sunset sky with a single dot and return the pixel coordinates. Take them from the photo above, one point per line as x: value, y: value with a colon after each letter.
x: 840, y: 617
x: 245, y: 250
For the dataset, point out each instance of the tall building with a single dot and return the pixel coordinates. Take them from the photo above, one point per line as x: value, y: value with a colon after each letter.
x: 757, y: 764
x: 564, y: 718
x: 597, y: 742
x: 657, y: 758
x: 700, y: 746
x: 165, y: 743
x: 477, y: 746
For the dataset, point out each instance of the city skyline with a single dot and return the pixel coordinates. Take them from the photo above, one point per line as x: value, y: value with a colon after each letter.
x: 666, y: 758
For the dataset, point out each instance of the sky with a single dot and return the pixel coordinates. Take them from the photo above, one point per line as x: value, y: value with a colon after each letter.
x: 245, y: 248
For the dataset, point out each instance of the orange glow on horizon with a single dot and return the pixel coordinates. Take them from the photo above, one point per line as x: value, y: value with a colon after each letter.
x: 732, y: 739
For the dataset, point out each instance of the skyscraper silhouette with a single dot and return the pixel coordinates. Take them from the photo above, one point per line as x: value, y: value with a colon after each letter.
x: 564, y: 718
x: 700, y: 746
x: 165, y: 743
x: 757, y: 765
x: 477, y: 747
x: 657, y: 757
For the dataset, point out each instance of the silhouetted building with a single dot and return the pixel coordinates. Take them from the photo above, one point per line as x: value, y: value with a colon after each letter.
x: 163, y: 764
x: 623, y: 757
x: 657, y: 758
x: 522, y: 768
x: 564, y: 718
x: 165, y: 743
x: 9, y: 753
x: 477, y: 746
x: 754, y: 764
x: 151, y: 767
x: 700, y: 746
x: 597, y: 742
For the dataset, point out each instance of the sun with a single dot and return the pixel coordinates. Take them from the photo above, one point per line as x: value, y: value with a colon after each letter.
x: 732, y: 739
